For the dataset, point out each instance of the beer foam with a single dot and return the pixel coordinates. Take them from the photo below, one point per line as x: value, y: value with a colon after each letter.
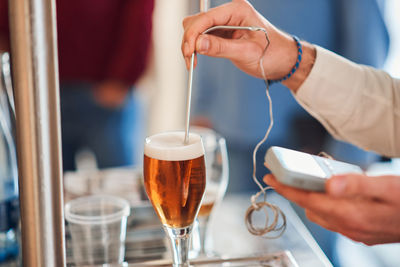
x: 170, y: 146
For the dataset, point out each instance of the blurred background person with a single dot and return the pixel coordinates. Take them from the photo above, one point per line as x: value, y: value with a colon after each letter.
x: 103, y: 48
x: 235, y: 104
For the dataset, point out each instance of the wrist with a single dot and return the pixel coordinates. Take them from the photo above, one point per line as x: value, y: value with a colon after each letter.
x: 295, y: 66
x: 280, y: 56
x: 304, y: 69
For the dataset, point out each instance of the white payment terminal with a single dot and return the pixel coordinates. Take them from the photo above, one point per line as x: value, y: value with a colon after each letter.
x: 303, y: 170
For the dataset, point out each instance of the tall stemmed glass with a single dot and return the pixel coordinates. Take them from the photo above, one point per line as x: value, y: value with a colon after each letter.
x: 175, y: 179
x: 217, y: 168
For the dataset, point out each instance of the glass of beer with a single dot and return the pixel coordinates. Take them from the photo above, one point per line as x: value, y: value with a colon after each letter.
x: 217, y: 169
x: 175, y: 180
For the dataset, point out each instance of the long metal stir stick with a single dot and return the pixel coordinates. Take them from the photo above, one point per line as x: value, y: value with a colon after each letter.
x: 189, y: 97
x: 204, y: 5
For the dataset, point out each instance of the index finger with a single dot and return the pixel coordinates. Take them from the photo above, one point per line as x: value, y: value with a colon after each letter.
x: 316, y: 201
x: 227, y: 14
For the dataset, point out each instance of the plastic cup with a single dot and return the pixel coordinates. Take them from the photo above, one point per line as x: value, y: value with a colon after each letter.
x: 98, y: 229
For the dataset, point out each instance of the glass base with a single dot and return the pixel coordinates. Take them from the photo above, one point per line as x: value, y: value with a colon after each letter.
x: 180, y: 244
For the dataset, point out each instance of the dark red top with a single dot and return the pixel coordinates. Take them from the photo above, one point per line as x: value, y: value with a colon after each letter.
x: 100, y: 39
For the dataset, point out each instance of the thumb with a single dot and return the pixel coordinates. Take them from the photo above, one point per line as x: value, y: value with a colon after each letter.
x: 361, y: 185
x: 211, y: 45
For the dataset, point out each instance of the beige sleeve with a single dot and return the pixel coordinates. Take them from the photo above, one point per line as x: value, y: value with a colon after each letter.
x: 355, y: 103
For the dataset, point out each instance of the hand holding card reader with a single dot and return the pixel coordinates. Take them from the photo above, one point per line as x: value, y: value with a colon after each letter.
x: 303, y: 170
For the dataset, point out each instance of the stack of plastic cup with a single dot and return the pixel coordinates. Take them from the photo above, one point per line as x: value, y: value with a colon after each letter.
x: 98, y: 229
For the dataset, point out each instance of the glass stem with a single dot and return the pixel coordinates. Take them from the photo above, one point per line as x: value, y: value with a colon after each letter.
x: 203, y: 229
x: 180, y: 244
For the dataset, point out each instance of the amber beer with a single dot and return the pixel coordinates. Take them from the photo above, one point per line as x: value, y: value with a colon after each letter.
x: 174, y: 176
x: 209, y: 199
x: 205, y: 209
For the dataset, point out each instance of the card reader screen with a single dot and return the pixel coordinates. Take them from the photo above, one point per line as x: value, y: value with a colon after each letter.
x: 301, y: 163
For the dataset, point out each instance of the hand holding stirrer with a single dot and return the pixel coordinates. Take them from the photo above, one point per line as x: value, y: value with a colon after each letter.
x: 256, y: 206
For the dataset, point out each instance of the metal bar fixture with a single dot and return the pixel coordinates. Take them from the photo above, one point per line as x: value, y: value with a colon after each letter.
x: 36, y: 88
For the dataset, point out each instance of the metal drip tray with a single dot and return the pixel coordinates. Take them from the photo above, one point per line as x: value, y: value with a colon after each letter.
x: 280, y: 259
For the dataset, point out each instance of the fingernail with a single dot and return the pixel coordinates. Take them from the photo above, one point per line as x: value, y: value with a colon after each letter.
x: 337, y: 186
x: 187, y: 63
x: 203, y: 44
x: 186, y: 49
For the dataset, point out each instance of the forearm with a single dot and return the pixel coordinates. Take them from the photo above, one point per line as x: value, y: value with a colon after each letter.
x: 355, y: 103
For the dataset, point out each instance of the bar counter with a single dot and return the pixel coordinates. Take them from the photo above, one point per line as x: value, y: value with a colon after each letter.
x: 146, y: 244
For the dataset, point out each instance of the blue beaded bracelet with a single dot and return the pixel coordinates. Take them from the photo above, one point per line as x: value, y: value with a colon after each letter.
x: 296, y: 66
